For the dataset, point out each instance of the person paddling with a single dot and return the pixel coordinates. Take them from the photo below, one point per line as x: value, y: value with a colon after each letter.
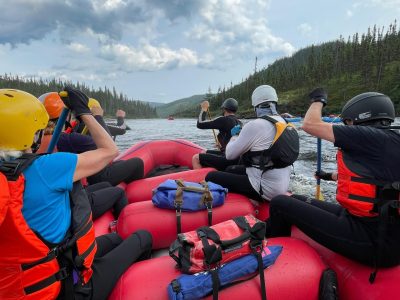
x: 224, y: 124
x: 259, y: 178
x: 364, y: 225
x: 116, y: 172
x: 47, y: 245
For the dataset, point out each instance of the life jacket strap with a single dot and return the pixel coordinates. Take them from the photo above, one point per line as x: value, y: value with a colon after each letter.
x: 62, y: 274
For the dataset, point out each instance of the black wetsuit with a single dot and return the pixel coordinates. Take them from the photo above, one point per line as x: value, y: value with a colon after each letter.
x: 103, y: 197
x: 116, y: 172
x: 113, y: 257
x: 224, y: 124
x: 331, y: 224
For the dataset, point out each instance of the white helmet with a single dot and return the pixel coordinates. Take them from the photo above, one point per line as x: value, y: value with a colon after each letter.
x: 263, y: 93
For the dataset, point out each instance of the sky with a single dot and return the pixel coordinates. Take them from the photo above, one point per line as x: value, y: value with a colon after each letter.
x: 164, y: 50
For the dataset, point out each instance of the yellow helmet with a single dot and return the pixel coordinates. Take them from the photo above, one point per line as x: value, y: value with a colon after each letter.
x: 21, y: 116
x: 93, y: 103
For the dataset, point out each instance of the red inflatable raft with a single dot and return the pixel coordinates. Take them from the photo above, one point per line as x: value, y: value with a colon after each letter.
x: 161, y: 223
x: 352, y: 276
x: 158, y: 153
x: 294, y: 276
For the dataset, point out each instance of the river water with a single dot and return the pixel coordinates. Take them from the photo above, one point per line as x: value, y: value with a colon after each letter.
x: 302, y: 178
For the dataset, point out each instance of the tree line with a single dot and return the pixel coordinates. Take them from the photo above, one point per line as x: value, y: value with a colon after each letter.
x: 110, y: 100
x: 361, y: 63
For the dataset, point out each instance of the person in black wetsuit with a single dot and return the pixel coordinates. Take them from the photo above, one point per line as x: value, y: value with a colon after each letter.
x: 118, y: 171
x: 224, y: 123
x: 365, y: 225
x: 102, y: 195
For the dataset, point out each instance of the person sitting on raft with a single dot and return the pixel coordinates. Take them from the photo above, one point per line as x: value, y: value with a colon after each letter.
x: 119, y: 171
x: 365, y: 225
x: 225, y: 123
x: 102, y: 195
x: 256, y: 135
x: 43, y: 204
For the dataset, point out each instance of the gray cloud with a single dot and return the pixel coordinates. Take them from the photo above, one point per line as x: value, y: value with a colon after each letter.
x: 27, y: 20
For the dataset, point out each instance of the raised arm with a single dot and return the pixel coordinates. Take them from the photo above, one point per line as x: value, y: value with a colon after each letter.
x: 93, y: 161
x: 313, y: 123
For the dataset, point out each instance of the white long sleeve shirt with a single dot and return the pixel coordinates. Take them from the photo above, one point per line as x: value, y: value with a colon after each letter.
x: 258, y: 135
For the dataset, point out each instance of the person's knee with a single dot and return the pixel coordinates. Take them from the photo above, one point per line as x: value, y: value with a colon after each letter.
x: 145, y: 238
x: 196, y: 161
x: 120, y: 193
x: 280, y: 201
x: 211, y: 176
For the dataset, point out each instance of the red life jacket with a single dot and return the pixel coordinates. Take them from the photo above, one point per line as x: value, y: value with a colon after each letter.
x: 358, y: 191
x: 29, y: 267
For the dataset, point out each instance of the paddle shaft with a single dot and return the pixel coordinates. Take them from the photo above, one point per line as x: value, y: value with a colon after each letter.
x: 57, y: 130
x: 319, y: 159
x: 215, y: 136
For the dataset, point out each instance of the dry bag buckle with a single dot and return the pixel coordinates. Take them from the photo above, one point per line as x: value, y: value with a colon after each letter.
x: 256, y: 246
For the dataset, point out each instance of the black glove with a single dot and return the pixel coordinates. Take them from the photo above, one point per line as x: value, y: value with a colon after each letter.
x: 319, y: 95
x: 324, y: 175
x: 76, y: 101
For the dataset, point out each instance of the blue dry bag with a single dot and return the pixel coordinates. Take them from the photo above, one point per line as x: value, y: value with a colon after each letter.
x: 197, y: 286
x: 189, y: 196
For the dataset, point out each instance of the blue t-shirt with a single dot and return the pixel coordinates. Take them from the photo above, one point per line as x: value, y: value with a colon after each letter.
x: 46, y: 206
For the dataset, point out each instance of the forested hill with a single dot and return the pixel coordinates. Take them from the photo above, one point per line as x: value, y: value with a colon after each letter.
x: 109, y: 100
x: 366, y: 62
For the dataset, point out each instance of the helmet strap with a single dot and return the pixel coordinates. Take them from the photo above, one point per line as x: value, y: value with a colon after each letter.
x: 37, y: 141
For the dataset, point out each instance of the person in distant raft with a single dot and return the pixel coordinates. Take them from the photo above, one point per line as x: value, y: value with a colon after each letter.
x: 224, y: 123
x: 365, y: 225
x: 48, y: 248
x: 267, y: 147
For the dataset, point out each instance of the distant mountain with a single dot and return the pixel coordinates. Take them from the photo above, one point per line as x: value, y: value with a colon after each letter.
x: 175, y: 108
x: 155, y: 104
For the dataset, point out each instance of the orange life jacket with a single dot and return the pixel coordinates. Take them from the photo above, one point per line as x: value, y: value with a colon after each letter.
x: 358, y: 191
x: 31, y: 268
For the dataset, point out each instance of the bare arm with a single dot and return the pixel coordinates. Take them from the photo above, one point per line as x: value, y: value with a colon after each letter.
x: 91, y: 162
x: 314, y: 125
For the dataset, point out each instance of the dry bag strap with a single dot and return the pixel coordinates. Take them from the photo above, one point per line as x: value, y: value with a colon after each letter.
x: 257, y: 234
x: 212, y: 253
x: 215, y: 283
x: 178, y: 204
x: 207, y: 200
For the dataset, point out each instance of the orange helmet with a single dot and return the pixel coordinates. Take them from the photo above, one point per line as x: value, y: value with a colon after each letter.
x: 53, y: 104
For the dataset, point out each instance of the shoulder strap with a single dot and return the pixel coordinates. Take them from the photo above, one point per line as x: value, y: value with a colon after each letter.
x: 13, y: 168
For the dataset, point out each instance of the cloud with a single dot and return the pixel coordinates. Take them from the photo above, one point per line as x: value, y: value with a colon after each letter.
x: 231, y: 28
x: 349, y: 13
x: 304, y: 28
x: 79, y: 48
x: 28, y: 20
x: 137, y: 33
x: 148, y: 57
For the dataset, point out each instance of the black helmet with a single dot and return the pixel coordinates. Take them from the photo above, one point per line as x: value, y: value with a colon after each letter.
x: 230, y: 104
x: 367, y: 107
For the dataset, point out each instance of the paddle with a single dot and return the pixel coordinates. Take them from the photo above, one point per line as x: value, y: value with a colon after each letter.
x: 59, y: 126
x: 318, y: 194
x: 215, y: 136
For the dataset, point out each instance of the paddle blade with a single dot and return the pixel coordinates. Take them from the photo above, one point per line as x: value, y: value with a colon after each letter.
x: 318, y: 194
